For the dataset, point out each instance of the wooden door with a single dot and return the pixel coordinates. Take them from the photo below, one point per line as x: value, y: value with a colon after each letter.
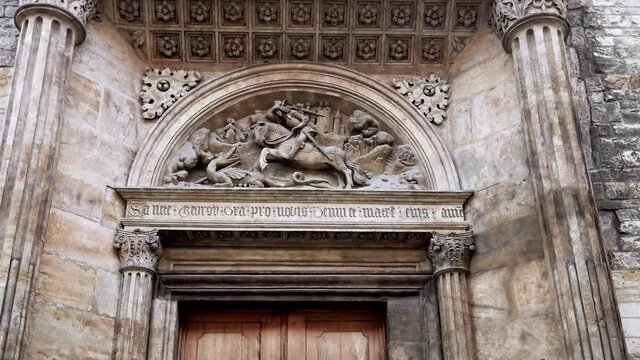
x: 300, y: 335
x: 232, y: 336
x: 331, y: 335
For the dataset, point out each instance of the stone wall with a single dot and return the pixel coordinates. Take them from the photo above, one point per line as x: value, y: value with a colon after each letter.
x: 512, y: 300
x: 8, y: 33
x: 73, y: 308
x: 605, y: 49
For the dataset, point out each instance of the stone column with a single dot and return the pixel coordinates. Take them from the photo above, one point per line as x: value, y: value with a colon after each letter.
x: 139, y: 254
x: 450, y: 255
x: 49, y: 30
x: 534, y: 32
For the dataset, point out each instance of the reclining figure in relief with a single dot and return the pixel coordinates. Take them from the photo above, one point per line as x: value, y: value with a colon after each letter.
x: 295, y: 146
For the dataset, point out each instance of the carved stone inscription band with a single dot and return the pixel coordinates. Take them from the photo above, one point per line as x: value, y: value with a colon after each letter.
x: 534, y: 31
x: 139, y: 253
x: 450, y: 256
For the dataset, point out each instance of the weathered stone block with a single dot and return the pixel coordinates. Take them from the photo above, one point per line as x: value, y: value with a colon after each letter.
x: 629, y: 310
x: 609, y: 229
x: 107, y: 293
x: 83, y: 240
x: 628, y: 214
x: 532, y: 289
x: 537, y: 337
x: 630, y: 243
x: 488, y: 296
x: 631, y: 327
x: 54, y: 282
x: 631, y: 158
x: 621, y: 260
x: 67, y: 333
x: 627, y: 285
x: 631, y: 227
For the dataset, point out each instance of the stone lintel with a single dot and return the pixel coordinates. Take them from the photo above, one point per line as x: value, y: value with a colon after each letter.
x: 294, y: 209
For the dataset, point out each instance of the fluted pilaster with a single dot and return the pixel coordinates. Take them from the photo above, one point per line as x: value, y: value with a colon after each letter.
x: 29, y: 135
x: 534, y: 31
x: 450, y: 255
x: 139, y: 254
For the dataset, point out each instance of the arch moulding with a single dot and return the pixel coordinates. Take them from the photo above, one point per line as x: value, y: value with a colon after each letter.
x: 234, y: 89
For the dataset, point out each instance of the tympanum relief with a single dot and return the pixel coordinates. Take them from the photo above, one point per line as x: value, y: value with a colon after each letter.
x: 295, y: 145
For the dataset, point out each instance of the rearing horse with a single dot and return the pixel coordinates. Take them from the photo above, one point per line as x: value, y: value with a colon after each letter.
x: 308, y: 157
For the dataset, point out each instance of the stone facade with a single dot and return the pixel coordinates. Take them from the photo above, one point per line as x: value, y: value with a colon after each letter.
x: 512, y: 300
x: 605, y: 53
x: 8, y: 33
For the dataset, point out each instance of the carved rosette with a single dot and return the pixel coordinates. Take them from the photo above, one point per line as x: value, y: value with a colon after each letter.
x: 506, y: 14
x: 138, y: 249
x: 430, y: 95
x: 163, y: 87
x: 451, y: 252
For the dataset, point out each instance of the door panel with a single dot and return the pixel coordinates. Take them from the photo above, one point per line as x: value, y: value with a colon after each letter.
x: 306, y: 335
x: 232, y: 336
x: 322, y: 335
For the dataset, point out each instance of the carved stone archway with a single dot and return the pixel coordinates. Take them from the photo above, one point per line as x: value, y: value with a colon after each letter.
x: 426, y: 221
x: 234, y: 88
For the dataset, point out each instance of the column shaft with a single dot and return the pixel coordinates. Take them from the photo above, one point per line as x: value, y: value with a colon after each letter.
x: 568, y: 215
x: 455, y: 318
x: 29, y: 137
x: 139, y: 254
x: 132, y: 328
x: 450, y: 256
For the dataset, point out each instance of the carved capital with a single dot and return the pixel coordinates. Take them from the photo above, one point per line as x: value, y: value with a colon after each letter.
x: 78, y: 12
x: 138, y: 248
x: 506, y: 15
x: 451, y: 252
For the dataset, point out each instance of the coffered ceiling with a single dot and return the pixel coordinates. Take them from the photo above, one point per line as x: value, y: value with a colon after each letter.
x: 400, y: 34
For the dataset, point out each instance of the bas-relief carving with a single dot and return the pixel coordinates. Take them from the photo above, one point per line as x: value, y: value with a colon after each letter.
x: 163, y: 87
x: 295, y: 146
x: 430, y: 95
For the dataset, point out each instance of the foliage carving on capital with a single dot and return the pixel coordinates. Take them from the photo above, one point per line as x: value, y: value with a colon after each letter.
x: 161, y: 88
x: 505, y: 14
x: 138, y: 248
x: 451, y: 252
x: 83, y: 10
x: 430, y: 95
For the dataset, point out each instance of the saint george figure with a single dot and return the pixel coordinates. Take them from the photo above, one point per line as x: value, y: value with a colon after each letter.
x: 298, y: 120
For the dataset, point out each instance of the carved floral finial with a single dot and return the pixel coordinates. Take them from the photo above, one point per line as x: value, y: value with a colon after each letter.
x: 451, y: 252
x: 430, y: 95
x: 505, y: 14
x: 161, y: 88
x: 138, y: 248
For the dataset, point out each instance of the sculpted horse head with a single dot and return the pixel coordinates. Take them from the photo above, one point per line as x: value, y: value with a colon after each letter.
x: 266, y: 131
